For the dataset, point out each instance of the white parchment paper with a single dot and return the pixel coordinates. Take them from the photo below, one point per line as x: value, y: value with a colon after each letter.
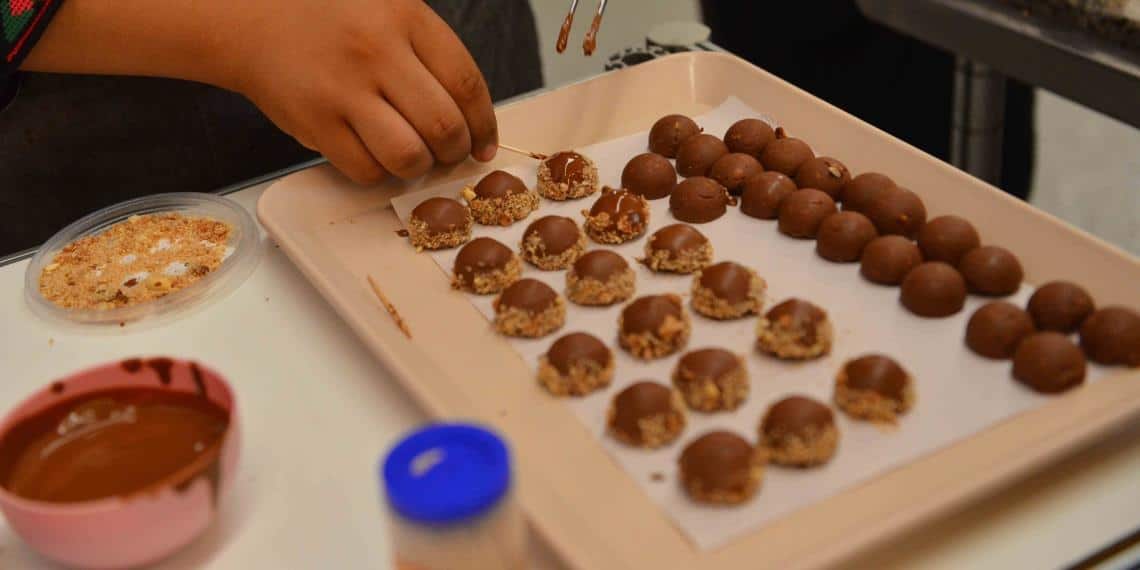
x: 959, y: 394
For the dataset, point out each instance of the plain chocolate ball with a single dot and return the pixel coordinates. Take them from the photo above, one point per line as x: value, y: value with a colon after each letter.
x: 861, y: 190
x: 698, y: 200
x: 1112, y: 336
x: 762, y: 194
x: 823, y: 173
x: 803, y: 211
x: 897, y: 211
x: 843, y: 236
x: 650, y: 175
x: 947, y: 238
x: 996, y: 328
x: 991, y: 270
x: 669, y: 132
x: 785, y: 154
x: 887, y: 259
x: 1060, y: 306
x: 933, y: 289
x: 732, y: 169
x: 697, y: 154
x: 1048, y: 362
x: 749, y: 136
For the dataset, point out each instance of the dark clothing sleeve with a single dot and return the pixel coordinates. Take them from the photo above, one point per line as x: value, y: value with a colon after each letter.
x: 21, y: 24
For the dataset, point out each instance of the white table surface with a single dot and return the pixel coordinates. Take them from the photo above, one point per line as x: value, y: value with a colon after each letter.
x: 318, y: 411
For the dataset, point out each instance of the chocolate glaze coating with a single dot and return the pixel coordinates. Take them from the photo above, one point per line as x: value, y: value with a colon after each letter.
x: 991, y: 270
x: 727, y: 280
x: 1060, y: 306
x: 1049, y: 362
x: 441, y: 215
x: 843, y: 236
x: 638, y: 401
x: 530, y: 295
x: 719, y: 460
x: 649, y: 174
x: 897, y: 211
x: 697, y: 154
x: 803, y: 211
x: 785, y: 154
x: 877, y: 373
x: 698, y: 200
x: 947, y: 238
x: 996, y: 328
x: 823, y: 173
x: 797, y: 313
x: 676, y: 238
x: 1112, y: 336
x: 796, y: 415
x: 762, y: 194
x: 481, y: 255
x: 599, y: 265
x: 732, y: 169
x: 669, y: 132
x: 749, y: 136
x: 577, y: 347
x: 933, y: 289
x: 646, y: 314
x: 861, y: 190
x: 887, y: 259
x: 711, y: 363
x: 566, y: 166
x: 499, y: 184
x: 623, y: 208
x: 558, y: 233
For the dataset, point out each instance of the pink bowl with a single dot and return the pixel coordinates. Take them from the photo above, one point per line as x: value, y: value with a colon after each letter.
x: 122, y: 532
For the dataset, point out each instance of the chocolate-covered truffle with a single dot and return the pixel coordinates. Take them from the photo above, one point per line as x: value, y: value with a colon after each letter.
x: 996, y: 328
x: 600, y: 277
x: 897, y: 211
x: 439, y: 223
x: 874, y: 387
x: 646, y: 414
x: 858, y: 194
x: 947, y: 238
x: 794, y: 330
x: 749, y: 136
x: 1060, y: 306
x: 785, y: 154
x: 669, y: 132
x: 529, y: 308
x: 698, y: 200
x: 727, y: 290
x: 762, y: 195
x: 617, y: 216
x: 803, y: 211
x: 1048, y: 362
x: 731, y: 170
x: 721, y: 468
x: 677, y: 248
x: 653, y: 326
x: 843, y: 236
x: 500, y: 199
x: 933, y: 289
x: 552, y: 242
x: 567, y: 175
x: 575, y: 365
x: 991, y: 270
x: 823, y: 173
x: 887, y: 259
x: 711, y: 379
x: 1112, y: 336
x: 697, y: 154
x: 650, y: 175
x: 484, y: 266
x: 799, y: 431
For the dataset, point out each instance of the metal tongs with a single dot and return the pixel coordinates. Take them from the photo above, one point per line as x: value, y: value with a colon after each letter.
x: 590, y: 43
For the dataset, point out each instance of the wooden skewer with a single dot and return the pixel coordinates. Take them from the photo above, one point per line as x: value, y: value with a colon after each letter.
x: 564, y: 33
x: 388, y: 306
x: 591, y: 42
x: 534, y: 155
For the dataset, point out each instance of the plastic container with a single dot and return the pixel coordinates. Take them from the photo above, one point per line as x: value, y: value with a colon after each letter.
x: 449, y: 495
x: 245, y: 241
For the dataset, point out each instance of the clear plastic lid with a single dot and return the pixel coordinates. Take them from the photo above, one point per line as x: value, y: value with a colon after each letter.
x: 243, y: 250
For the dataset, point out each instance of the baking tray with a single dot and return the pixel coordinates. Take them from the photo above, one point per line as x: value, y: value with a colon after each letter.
x: 593, y: 514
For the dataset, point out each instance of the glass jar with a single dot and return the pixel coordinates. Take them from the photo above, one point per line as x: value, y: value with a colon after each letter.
x: 449, y: 495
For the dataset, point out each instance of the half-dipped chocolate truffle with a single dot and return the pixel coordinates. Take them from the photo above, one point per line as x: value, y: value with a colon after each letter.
x: 617, y: 216
x: 843, y: 235
x: 711, y: 379
x: 600, y: 277
x: 749, y: 136
x: 650, y: 175
x: 799, y: 432
x: 1048, y: 362
x: 823, y: 173
x: 875, y: 388
x: 727, y: 290
x: 785, y: 154
x: 653, y: 326
x: 1112, y: 336
x: 575, y: 365
x: 721, y: 468
x: 439, y: 223
x: 762, y: 195
x: 669, y: 132
x: 803, y: 211
x: 529, y: 308
x: 1060, y: 306
x: 697, y: 154
x: 698, y: 200
x: 552, y: 242
x: 858, y: 194
x: 646, y: 414
x: 897, y: 211
x: 500, y: 199
x: 996, y: 328
x: 567, y: 175
x: 991, y: 270
x: 794, y: 330
x: 947, y: 238
x: 677, y: 248
x: 887, y: 259
x: 731, y: 170
x: 933, y: 289
x: 485, y: 266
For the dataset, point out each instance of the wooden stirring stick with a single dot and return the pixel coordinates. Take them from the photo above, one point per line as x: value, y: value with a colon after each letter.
x: 564, y: 33
x: 534, y: 155
x: 591, y: 42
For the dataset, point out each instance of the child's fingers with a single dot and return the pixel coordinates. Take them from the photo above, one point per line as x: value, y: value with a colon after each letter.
x: 391, y: 140
x: 420, y: 98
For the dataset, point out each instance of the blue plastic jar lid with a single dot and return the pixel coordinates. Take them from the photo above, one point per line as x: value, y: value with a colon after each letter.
x: 446, y: 473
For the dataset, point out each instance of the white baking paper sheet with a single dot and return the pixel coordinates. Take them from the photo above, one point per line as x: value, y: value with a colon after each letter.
x: 959, y: 394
